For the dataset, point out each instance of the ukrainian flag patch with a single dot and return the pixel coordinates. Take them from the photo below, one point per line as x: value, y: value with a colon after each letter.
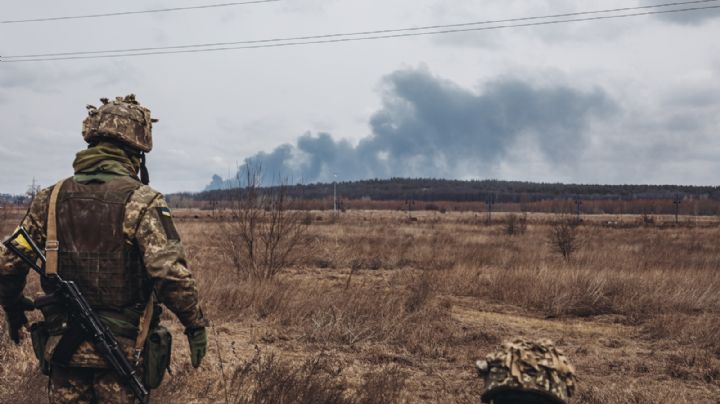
x: 167, y: 223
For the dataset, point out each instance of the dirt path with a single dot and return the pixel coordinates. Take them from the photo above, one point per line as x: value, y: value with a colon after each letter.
x: 615, y: 361
x: 604, y: 351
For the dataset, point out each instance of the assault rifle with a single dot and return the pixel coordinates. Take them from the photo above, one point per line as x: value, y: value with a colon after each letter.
x: 80, y: 314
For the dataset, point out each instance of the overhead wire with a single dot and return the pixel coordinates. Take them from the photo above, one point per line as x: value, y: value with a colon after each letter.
x: 121, y: 13
x: 333, y: 38
x: 358, y: 33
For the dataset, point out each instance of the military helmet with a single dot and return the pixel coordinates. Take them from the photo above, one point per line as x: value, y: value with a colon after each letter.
x: 535, y: 370
x: 122, y: 119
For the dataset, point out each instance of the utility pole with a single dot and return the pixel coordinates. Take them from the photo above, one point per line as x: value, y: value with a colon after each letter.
x: 32, y: 192
x: 578, y: 203
x: 490, y: 201
x: 409, y: 204
x: 335, y: 195
x: 677, y: 202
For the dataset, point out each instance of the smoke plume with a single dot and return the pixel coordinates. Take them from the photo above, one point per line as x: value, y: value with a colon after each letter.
x: 431, y: 127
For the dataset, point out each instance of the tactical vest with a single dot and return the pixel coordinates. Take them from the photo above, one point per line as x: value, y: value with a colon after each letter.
x: 93, y: 250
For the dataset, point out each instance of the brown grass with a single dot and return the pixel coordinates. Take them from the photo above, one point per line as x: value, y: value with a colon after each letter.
x: 381, y: 309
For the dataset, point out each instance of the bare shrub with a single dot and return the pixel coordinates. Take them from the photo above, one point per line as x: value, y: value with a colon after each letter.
x: 441, y: 297
x: 641, y: 297
x: 701, y: 330
x: 563, y: 236
x: 264, y: 234
x: 265, y: 380
x: 647, y: 219
x: 694, y: 365
x: 390, y: 248
x: 410, y: 318
x: 420, y: 293
x: 384, y: 386
x: 515, y: 224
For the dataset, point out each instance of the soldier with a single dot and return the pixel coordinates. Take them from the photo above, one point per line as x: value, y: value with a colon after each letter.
x: 527, y: 372
x: 112, y: 234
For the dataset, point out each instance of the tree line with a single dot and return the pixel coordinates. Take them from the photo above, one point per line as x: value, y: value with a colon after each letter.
x: 424, y: 189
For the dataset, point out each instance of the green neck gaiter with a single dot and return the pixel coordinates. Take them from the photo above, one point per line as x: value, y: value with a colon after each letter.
x: 104, y: 162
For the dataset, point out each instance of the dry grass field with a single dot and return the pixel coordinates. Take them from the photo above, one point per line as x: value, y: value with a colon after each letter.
x: 377, y: 308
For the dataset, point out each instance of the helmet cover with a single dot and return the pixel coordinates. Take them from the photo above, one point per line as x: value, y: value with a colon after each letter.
x: 123, y: 120
x: 528, y: 366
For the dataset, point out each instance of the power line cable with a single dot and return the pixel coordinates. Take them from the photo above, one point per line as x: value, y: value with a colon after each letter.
x: 359, y: 38
x: 347, y: 34
x: 121, y: 13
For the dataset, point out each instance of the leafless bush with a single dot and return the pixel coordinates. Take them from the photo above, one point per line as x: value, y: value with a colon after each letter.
x: 264, y: 233
x: 642, y: 297
x: 564, y: 236
x: 411, y: 319
x: 420, y: 293
x: 384, y: 386
x: 700, y: 330
x: 694, y: 365
x: 515, y: 224
x: 265, y: 380
x: 647, y: 219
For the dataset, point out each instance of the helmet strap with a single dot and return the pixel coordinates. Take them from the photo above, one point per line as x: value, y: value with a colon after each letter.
x: 144, y: 175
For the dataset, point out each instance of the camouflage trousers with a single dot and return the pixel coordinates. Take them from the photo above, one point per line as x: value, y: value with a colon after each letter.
x: 87, y: 385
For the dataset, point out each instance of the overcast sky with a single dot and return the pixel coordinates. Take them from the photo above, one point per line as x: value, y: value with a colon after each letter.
x: 634, y: 100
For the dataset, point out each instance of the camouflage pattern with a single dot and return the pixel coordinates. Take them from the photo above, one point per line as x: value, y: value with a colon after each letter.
x: 85, y: 356
x: 87, y: 385
x: 163, y: 256
x: 165, y: 264
x: 122, y: 119
x: 526, y: 366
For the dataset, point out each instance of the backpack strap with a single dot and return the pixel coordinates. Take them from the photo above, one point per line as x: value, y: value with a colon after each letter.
x: 144, y: 326
x: 51, y: 240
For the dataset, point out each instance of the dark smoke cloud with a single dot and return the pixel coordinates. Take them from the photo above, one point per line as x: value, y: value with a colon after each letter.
x: 431, y: 127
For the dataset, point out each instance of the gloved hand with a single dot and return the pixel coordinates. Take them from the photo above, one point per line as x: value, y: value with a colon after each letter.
x: 197, y: 338
x: 15, y: 316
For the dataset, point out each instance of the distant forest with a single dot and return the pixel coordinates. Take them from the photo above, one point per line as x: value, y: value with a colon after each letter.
x: 475, y: 191
x: 7, y: 199
x: 455, y: 195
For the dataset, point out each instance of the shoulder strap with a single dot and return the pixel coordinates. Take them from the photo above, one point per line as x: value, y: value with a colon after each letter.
x: 51, y: 240
x: 144, y: 326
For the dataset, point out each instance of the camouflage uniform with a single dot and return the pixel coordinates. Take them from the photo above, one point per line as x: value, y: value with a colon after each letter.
x: 527, y: 372
x: 147, y: 225
x: 86, y: 385
x: 163, y: 258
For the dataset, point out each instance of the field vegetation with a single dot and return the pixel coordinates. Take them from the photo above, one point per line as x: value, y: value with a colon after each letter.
x: 382, y: 306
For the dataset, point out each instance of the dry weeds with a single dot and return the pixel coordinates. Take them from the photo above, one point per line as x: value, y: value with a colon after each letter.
x: 381, y: 309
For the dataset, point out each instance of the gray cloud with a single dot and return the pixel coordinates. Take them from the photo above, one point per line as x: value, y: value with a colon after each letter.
x: 217, y: 108
x: 708, y: 96
x: 694, y: 17
x: 431, y: 127
x: 15, y: 77
x: 40, y: 78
